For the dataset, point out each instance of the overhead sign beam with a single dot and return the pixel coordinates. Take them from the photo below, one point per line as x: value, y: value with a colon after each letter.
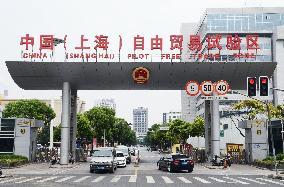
x: 118, y: 75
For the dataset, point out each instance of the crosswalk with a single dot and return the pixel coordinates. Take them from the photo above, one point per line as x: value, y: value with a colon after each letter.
x: 169, y: 179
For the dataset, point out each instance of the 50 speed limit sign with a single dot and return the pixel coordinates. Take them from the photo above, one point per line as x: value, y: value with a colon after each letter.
x: 222, y: 87
x: 207, y: 88
x: 192, y: 88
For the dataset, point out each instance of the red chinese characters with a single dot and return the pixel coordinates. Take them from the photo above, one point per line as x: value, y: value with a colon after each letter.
x: 46, y: 42
x: 214, y: 41
x: 233, y: 42
x: 194, y: 43
x: 102, y: 42
x: 83, y: 40
x: 252, y: 41
x: 176, y: 42
x: 27, y: 40
x: 138, y: 42
x: 156, y: 43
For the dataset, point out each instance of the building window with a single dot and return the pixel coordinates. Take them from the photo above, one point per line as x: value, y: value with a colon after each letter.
x: 225, y: 126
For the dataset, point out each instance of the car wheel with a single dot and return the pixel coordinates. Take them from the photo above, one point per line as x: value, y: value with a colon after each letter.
x: 112, y: 169
x: 190, y: 170
x: 91, y: 171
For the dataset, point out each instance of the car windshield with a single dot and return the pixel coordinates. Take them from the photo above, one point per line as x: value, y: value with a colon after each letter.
x: 119, y: 155
x: 102, y: 153
x: 179, y: 156
x: 125, y: 151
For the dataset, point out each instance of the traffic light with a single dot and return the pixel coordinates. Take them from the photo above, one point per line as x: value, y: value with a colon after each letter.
x: 263, y: 86
x: 251, y: 86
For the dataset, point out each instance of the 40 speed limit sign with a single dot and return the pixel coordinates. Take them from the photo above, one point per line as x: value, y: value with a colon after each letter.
x: 222, y: 87
x: 207, y: 88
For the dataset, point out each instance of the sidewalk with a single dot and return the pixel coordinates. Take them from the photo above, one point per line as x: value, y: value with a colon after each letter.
x: 38, y: 168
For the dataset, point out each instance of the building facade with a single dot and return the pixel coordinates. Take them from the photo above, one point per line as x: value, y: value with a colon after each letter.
x: 140, y: 121
x: 267, y: 24
x: 109, y: 103
x: 168, y: 117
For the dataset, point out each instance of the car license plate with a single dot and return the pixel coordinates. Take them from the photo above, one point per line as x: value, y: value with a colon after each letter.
x: 184, y: 163
x: 101, y: 167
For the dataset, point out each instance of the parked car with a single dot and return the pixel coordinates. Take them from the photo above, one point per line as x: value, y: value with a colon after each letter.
x: 126, y: 152
x: 176, y: 162
x: 103, y: 158
x: 121, y: 160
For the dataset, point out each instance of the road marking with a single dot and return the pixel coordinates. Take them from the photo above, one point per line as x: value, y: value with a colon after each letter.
x: 10, y: 180
x: 47, y: 179
x: 115, y: 179
x: 65, y: 179
x: 150, y: 179
x: 82, y: 178
x: 252, y: 180
x: 167, y: 180
x: 100, y: 178
x: 215, y: 179
x: 184, y: 180
x: 267, y: 180
x: 133, y: 178
x: 236, y: 180
x: 202, y: 180
x: 27, y: 180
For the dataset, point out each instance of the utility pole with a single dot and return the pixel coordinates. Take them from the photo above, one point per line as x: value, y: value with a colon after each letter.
x: 104, y: 137
x: 271, y: 137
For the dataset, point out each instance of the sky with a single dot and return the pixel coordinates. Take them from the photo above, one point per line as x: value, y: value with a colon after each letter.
x: 109, y: 17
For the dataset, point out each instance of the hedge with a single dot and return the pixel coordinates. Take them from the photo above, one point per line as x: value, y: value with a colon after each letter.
x: 9, y: 160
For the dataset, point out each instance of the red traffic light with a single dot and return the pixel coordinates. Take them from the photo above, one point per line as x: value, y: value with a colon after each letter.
x: 251, y: 81
x: 264, y: 80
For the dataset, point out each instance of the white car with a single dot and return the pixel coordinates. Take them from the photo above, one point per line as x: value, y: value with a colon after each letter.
x: 121, y: 160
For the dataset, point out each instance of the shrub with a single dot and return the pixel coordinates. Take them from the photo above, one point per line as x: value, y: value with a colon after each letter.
x: 9, y: 160
x: 268, y: 158
x: 280, y: 157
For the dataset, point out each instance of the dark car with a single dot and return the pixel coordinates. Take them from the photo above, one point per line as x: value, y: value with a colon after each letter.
x: 176, y: 162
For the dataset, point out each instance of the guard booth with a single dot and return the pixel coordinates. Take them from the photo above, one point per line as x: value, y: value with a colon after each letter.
x: 18, y: 136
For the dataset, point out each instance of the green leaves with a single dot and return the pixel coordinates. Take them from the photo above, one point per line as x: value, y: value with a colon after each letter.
x: 32, y: 109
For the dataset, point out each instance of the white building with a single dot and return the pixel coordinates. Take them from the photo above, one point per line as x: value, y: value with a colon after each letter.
x: 268, y: 23
x: 109, y: 103
x: 168, y: 117
x: 140, y: 121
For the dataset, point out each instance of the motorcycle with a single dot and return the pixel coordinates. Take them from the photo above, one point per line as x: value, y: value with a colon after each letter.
x: 217, y: 161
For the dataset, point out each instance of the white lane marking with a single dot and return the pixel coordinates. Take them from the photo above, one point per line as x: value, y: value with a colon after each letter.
x: 47, y: 179
x: 115, y: 179
x: 150, y: 179
x: 65, y: 179
x: 167, y: 179
x: 82, y: 178
x: 10, y: 180
x: 236, y: 180
x: 267, y: 180
x: 27, y: 180
x: 202, y: 180
x: 100, y: 178
x: 258, y: 182
x: 216, y: 179
x: 184, y: 180
x: 133, y: 178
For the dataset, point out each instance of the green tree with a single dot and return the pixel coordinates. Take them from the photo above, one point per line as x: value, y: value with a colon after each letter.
x: 122, y: 133
x: 32, y: 109
x: 179, y: 129
x: 252, y: 107
x: 57, y: 133
x: 84, y: 129
x: 196, y: 128
x: 101, y: 118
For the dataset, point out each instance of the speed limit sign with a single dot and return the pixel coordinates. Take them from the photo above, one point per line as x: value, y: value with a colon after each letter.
x: 207, y: 88
x: 192, y: 88
x: 222, y: 87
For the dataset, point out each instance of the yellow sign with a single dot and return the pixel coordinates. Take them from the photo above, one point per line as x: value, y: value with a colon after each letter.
x: 234, y: 147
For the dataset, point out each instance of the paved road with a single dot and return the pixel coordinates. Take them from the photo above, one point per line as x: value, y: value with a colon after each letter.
x: 146, y: 174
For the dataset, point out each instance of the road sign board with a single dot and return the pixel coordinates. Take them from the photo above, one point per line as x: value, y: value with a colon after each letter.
x: 207, y: 88
x: 215, y: 97
x: 222, y: 87
x: 164, y: 128
x: 192, y: 88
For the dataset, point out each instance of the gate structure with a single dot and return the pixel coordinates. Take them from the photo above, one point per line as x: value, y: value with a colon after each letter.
x: 72, y: 76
